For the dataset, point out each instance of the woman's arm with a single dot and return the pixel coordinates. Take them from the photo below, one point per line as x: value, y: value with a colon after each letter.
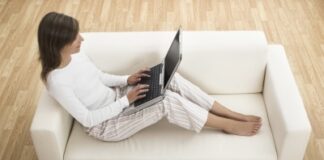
x: 88, y: 118
x: 111, y: 80
x: 114, y: 80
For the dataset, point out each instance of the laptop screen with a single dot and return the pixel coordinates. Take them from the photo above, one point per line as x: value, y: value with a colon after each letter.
x: 172, y: 58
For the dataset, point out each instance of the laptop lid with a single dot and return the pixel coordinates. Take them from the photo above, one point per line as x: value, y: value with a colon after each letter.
x: 172, y: 59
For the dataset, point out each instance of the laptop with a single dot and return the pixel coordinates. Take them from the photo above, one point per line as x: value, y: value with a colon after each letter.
x: 160, y: 76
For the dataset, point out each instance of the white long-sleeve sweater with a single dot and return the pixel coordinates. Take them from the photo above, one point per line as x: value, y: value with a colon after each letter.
x: 84, y: 91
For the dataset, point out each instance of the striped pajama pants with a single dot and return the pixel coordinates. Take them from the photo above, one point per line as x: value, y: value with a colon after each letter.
x: 185, y: 105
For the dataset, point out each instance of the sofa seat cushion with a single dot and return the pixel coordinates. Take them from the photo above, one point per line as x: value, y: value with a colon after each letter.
x: 167, y: 141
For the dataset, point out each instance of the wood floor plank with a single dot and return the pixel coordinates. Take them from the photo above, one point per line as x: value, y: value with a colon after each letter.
x: 297, y: 24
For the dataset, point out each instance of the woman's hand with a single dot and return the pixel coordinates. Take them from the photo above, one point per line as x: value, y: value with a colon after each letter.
x: 136, y: 77
x: 137, y: 92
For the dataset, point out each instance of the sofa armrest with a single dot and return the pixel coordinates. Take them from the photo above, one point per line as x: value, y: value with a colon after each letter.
x: 50, y: 128
x: 287, y: 116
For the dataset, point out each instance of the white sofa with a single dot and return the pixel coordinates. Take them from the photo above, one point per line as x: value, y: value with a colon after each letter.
x: 238, y: 68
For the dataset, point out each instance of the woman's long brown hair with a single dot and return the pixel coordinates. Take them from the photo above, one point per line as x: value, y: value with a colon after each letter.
x: 54, y: 32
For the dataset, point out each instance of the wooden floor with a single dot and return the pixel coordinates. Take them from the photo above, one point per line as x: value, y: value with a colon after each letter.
x: 297, y: 24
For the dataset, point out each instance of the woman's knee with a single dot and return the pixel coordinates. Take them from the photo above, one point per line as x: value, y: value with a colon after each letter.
x: 172, y: 96
x: 170, y: 93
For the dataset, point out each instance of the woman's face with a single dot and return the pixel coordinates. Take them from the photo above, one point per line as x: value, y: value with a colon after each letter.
x: 74, y: 47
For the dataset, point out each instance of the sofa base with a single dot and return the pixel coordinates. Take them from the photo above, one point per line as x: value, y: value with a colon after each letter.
x: 167, y: 141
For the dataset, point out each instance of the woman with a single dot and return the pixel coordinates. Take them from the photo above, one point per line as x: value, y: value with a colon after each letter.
x: 97, y: 100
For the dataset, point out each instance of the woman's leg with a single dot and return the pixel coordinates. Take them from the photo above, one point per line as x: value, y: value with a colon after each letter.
x: 123, y: 127
x: 193, y: 93
x: 177, y: 109
x: 186, y: 114
x: 183, y: 112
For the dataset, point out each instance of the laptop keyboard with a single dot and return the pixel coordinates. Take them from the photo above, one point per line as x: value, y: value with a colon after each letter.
x: 153, y: 81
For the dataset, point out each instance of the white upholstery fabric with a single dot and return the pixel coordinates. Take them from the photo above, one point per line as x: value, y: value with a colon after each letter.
x: 50, y: 128
x: 235, y: 61
x: 208, y: 61
x: 167, y: 141
x: 220, y: 63
x: 287, y: 115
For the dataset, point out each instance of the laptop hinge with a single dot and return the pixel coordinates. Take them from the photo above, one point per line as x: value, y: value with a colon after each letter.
x: 161, y: 79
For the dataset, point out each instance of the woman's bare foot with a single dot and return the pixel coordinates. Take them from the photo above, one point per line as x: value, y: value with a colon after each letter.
x: 232, y: 126
x: 242, y: 128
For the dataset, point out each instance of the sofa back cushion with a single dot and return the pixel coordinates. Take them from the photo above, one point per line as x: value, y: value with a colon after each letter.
x: 220, y: 62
